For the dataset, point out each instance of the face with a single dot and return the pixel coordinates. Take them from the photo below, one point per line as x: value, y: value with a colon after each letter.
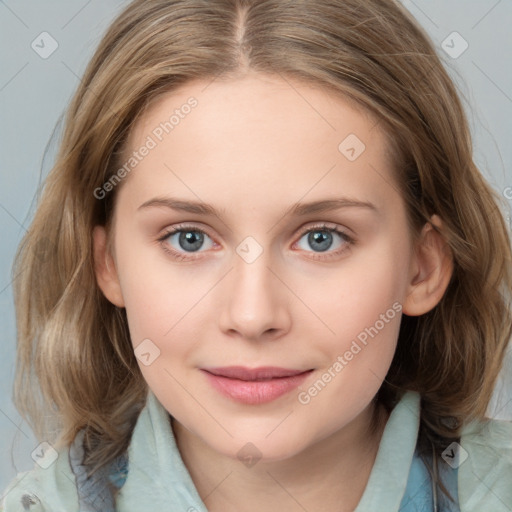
x: 261, y: 280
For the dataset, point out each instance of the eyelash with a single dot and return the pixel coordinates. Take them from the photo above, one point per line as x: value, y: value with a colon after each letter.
x: 188, y: 228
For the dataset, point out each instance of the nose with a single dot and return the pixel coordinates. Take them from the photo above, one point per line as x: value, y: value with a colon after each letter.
x: 255, y: 302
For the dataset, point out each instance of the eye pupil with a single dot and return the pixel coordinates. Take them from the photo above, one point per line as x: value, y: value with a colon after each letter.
x: 323, y: 238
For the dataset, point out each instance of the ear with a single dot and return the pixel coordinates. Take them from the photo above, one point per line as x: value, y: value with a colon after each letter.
x: 431, y: 270
x: 105, y: 268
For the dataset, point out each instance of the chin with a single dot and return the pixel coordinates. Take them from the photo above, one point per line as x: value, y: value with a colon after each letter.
x: 250, y: 450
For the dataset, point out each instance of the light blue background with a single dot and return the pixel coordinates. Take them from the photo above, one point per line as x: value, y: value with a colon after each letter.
x: 34, y: 93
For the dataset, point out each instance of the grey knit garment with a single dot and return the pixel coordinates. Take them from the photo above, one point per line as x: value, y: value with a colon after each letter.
x: 93, y: 493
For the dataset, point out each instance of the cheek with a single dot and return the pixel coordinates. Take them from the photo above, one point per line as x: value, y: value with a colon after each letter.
x: 160, y: 297
x: 362, y: 305
x: 367, y: 289
x: 162, y: 312
x: 166, y: 312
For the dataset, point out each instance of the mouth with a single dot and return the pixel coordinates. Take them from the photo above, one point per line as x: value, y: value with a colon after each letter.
x: 253, y: 374
x: 255, y: 385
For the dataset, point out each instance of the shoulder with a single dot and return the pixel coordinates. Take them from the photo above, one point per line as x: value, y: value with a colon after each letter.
x: 485, y: 466
x: 48, y: 487
x: 59, y: 483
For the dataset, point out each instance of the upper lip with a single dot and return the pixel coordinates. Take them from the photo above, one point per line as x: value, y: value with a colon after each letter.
x: 261, y: 373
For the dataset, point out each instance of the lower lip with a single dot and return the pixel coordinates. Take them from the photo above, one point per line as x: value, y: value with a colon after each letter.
x: 256, y: 392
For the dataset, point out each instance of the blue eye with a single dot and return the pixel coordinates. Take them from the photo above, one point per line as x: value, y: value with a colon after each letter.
x: 189, y: 239
x: 183, y: 241
x: 321, y: 239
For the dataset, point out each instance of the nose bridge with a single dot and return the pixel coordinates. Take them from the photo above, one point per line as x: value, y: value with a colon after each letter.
x: 254, y: 301
x: 252, y: 275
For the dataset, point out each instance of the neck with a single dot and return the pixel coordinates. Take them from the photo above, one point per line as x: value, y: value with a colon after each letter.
x: 329, y: 475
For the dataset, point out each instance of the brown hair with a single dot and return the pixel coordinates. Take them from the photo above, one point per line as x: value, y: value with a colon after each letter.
x: 74, y: 345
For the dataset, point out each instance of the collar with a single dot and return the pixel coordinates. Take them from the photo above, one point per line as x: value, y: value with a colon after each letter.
x: 158, y: 476
x: 388, y: 478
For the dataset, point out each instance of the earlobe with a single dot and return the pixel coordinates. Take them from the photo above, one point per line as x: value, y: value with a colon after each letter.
x: 105, y: 268
x: 433, y: 269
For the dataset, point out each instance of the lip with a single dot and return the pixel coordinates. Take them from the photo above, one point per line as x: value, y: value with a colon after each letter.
x: 260, y: 373
x: 254, y: 385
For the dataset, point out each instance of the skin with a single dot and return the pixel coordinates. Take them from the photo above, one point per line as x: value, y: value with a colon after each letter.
x: 253, y: 148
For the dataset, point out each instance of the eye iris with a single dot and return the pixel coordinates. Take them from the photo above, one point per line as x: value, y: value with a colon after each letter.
x: 320, y: 237
x: 191, y: 237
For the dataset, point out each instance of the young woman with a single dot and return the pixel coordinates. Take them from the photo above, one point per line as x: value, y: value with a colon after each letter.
x: 273, y: 277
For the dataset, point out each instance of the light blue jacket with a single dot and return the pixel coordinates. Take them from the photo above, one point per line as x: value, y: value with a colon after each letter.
x: 153, y: 477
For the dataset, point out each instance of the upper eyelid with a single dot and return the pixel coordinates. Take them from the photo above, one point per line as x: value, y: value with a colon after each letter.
x: 320, y: 225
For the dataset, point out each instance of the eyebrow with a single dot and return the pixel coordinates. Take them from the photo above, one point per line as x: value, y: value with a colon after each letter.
x: 299, y: 209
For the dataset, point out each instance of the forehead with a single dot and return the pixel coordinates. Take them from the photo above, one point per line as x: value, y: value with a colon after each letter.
x: 249, y: 99
x: 257, y: 134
